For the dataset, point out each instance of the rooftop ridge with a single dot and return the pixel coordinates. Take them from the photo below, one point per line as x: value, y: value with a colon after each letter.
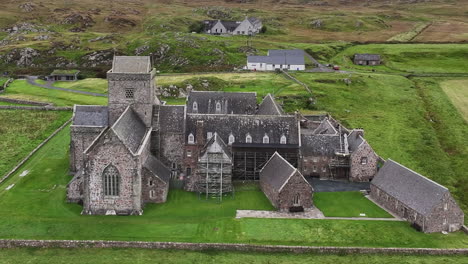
x: 424, y: 177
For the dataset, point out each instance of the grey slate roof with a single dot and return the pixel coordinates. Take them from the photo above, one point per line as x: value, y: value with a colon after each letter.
x: 408, y: 187
x: 365, y: 56
x: 215, y: 139
x: 319, y: 145
x: 295, y: 57
x: 130, y: 129
x: 325, y: 127
x: 269, y: 107
x: 171, y: 118
x: 131, y: 64
x: 157, y: 168
x: 230, y: 25
x: 276, y: 171
x: 240, y: 125
x: 255, y: 21
x: 231, y: 103
x: 354, y: 141
x: 90, y: 115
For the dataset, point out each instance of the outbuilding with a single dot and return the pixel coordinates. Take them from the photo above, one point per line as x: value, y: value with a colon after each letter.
x: 285, y: 186
x: 292, y: 60
x: 64, y: 75
x: 367, y: 59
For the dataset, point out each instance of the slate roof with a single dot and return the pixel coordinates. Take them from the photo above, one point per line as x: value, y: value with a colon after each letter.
x: 131, y: 64
x: 157, y: 168
x: 255, y: 21
x: 240, y: 125
x: 171, y: 118
x: 230, y: 25
x: 325, y: 127
x: 90, y: 115
x: 408, y: 187
x: 269, y: 107
x: 319, y: 145
x: 365, y: 56
x: 277, y: 172
x: 130, y: 129
x: 295, y: 57
x: 354, y: 140
x: 231, y: 103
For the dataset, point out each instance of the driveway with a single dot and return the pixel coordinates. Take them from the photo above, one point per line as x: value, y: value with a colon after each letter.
x: 32, y: 80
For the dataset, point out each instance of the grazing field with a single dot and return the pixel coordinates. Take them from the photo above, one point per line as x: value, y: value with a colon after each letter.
x: 410, y: 58
x: 411, y: 121
x: 20, y: 89
x: 22, y: 130
x: 347, y: 204
x: 94, y: 85
x: 35, y: 208
x: 131, y: 256
x: 457, y: 91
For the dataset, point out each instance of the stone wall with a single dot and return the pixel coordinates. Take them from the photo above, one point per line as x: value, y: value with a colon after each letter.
x: 363, y: 172
x: 40, y: 108
x: 151, y: 183
x: 81, y: 138
x: 17, y: 101
x: 320, y: 163
x: 12, y: 243
x: 296, y: 185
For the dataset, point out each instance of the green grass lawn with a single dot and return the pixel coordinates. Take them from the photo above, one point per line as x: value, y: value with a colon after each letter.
x: 411, y: 58
x: 347, y: 204
x: 83, y: 256
x: 94, y: 85
x: 20, y: 89
x: 457, y: 91
x: 35, y: 208
x: 22, y: 130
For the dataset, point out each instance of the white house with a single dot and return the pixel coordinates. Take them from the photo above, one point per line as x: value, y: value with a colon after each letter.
x: 292, y: 60
x: 249, y: 26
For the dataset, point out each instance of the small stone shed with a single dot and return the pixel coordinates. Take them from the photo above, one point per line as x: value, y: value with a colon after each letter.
x: 427, y: 205
x: 367, y: 59
x: 285, y: 186
x: 64, y: 75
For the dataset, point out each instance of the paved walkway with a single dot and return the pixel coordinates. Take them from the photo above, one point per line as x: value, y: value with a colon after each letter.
x: 32, y: 80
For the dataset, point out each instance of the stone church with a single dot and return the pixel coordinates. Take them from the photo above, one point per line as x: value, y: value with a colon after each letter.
x: 125, y: 155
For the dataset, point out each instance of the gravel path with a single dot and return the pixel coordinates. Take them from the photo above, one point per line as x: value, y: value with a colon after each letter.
x: 32, y: 80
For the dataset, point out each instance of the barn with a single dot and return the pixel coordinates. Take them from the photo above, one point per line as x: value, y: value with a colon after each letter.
x: 285, y: 186
x: 367, y: 59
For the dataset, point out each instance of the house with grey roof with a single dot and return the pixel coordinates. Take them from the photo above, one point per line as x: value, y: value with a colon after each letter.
x: 367, y: 59
x: 285, y: 186
x: 427, y: 205
x: 63, y: 75
x: 249, y: 26
x: 292, y: 60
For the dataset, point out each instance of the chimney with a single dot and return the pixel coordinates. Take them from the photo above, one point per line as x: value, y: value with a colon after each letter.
x: 359, y: 131
x: 200, y: 133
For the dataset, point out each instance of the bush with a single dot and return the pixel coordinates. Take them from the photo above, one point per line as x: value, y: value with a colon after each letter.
x: 196, y: 26
x: 263, y: 30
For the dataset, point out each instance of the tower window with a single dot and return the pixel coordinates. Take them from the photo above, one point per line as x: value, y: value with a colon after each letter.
x: 129, y: 93
x: 195, y: 106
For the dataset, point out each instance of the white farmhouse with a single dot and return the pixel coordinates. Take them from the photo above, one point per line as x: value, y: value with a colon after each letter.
x: 249, y: 26
x: 292, y: 60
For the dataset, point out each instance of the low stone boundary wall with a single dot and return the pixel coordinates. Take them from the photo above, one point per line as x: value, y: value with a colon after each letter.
x: 34, y: 151
x: 6, y: 84
x: 12, y: 243
x: 464, y: 228
x: 40, y: 108
x: 27, y: 102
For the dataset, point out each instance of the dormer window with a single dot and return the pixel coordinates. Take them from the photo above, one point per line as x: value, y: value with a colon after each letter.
x: 195, y: 107
x: 129, y: 93
x: 248, y: 139
x: 231, y: 139
x: 283, y: 139
x: 266, y: 139
x: 209, y: 135
x: 191, y: 139
x: 218, y: 107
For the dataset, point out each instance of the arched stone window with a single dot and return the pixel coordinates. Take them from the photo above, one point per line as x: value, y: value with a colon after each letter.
x: 218, y: 107
x: 297, y: 199
x: 191, y: 139
x: 111, y: 179
x: 152, y: 194
x: 266, y: 139
x: 195, y: 107
x: 248, y: 138
x: 231, y: 139
x: 283, y: 139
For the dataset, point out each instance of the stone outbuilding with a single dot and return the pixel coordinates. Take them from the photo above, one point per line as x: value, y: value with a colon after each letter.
x: 285, y: 186
x: 367, y: 59
x: 427, y: 205
x: 64, y: 75
x: 292, y: 60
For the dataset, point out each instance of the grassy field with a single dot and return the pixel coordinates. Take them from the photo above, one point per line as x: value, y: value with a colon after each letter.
x: 35, y: 208
x: 20, y: 89
x: 83, y: 256
x: 21, y: 131
x: 410, y: 58
x: 411, y: 121
x: 94, y: 85
x: 347, y: 204
x: 457, y: 91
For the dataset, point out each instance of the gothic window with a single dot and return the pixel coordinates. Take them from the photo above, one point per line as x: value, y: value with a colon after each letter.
x: 364, y: 160
x: 266, y: 139
x: 150, y: 182
x: 111, y: 179
x: 152, y: 194
x: 231, y: 139
x: 189, y: 171
x: 129, y: 93
x: 209, y: 135
x: 248, y: 138
x: 195, y: 106
x: 296, y: 199
x: 218, y: 107
x: 173, y: 165
x: 445, y: 206
x: 191, y: 139
x: 283, y: 139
